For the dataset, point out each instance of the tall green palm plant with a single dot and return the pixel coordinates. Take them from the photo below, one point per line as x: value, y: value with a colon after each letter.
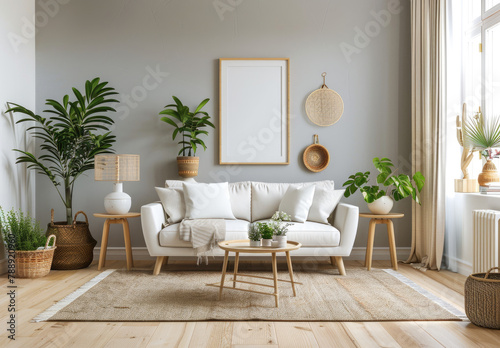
x: 188, y: 124
x: 70, y: 137
x: 481, y: 134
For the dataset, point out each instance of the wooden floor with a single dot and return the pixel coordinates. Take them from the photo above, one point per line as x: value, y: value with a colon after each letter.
x: 34, y: 296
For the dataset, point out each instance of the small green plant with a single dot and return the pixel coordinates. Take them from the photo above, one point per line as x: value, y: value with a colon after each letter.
x: 482, y: 135
x: 190, y: 126
x: 279, y: 224
x: 266, y: 230
x: 398, y: 185
x: 253, y: 232
x: 22, y: 229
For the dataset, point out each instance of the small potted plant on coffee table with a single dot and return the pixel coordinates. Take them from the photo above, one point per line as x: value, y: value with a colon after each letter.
x: 267, y: 232
x: 280, y: 226
x: 254, y: 235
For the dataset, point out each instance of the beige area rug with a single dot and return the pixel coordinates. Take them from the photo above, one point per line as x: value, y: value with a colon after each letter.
x: 378, y: 295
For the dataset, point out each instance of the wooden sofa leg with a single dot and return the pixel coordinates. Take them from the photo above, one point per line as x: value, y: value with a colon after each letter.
x: 158, y: 264
x: 332, y: 260
x: 165, y: 260
x: 340, y: 264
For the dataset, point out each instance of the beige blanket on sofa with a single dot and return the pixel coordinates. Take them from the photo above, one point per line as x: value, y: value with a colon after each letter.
x: 204, y: 234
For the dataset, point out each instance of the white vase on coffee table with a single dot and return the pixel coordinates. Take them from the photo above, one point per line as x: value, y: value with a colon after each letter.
x: 266, y: 242
x: 281, y: 241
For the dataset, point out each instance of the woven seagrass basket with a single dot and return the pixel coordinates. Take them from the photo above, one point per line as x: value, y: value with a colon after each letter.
x: 76, y: 244
x: 482, y: 299
x: 35, y: 263
x: 316, y: 157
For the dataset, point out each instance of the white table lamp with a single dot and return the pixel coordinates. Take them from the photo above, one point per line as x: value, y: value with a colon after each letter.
x: 117, y: 168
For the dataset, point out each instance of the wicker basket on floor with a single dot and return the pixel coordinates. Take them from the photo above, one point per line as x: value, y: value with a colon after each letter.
x: 482, y: 299
x: 35, y: 263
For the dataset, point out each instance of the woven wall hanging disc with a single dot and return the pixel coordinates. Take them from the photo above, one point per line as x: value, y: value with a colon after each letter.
x: 324, y: 106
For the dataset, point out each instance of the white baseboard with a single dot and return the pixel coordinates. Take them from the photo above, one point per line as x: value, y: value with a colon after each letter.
x: 463, y: 267
x: 358, y: 253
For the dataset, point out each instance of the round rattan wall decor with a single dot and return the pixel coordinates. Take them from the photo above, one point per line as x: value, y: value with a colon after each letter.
x: 316, y: 157
x: 324, y: 106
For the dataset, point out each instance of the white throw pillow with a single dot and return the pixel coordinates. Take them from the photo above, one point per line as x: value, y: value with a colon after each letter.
x: 297, y: 201
x: 173, y: 203
x: 324, y: 202
x: 207, y: 201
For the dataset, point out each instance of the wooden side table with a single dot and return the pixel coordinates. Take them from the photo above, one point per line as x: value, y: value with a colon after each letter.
x: 381, y: 219
x: 116, y: 219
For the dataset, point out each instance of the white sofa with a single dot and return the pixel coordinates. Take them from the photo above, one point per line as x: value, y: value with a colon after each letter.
x: 250, y: 202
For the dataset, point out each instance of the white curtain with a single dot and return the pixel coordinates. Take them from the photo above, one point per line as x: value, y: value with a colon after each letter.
x: 428, y: 129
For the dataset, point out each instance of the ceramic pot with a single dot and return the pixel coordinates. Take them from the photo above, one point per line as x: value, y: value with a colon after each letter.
x: 267, y: 242
x: 187, y: 166
x: 281, y: 241
x: 489, y: 174
x: 381, y: 206
x: 255, y: 243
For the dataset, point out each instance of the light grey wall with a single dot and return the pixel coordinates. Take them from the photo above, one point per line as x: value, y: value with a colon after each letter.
x: 121, y: 41
x: 17, y: 71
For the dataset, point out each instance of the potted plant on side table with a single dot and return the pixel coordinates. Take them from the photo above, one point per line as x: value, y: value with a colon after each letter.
x: 254, y: 235
x: 190, y: 126
x: 74, y: 133
x: 399, y: 186
x: 33, y: 251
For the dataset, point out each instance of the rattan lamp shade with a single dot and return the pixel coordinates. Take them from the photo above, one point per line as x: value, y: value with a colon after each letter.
x: 117, y: 168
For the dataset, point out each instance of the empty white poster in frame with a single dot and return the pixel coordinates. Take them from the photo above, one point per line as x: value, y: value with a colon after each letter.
x: 254, y: 120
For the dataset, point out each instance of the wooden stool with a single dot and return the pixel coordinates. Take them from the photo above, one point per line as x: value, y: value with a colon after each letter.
x: 116, y: 219
x: 381, y: 219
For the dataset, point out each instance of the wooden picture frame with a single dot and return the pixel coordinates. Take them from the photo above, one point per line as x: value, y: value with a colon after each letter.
x: 254, y: 111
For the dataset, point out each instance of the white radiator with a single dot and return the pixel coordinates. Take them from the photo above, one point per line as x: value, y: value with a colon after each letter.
x: 486, y: 240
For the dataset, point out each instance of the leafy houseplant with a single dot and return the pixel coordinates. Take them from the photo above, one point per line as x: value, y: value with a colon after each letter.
x: 266, y: 231
x: 190, y: 126
x: 254, y: 235
x: 23, y: 235
x: 481, y: 135
x: 280, y: 225
x: 70, y: 137
x: 399, y: 186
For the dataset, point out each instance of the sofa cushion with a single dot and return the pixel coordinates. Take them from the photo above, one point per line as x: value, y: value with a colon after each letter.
x: 297, y: 201
x: 266, y: 197
x: 309, y: 234
x: 169, y: 236
x: 324, y: 202
x: 239, y: 194
x: 313, y: 234
x: 173, y: 203
x: 207, y: 201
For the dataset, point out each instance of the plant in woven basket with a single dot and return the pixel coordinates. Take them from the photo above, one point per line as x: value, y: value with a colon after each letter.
x: 399, y: 186
x: 20, y: 231
x: 70, y: 137
x: 190, y: 125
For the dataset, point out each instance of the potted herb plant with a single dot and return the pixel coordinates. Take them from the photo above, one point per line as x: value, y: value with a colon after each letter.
x: 279, y: 223
x: 399, y: 186
x: 481, y: 135
x: 189, y: 125
x: 254, y: 235
x: 267, y: 232
x: 69, y: 138
x: 33, y: 251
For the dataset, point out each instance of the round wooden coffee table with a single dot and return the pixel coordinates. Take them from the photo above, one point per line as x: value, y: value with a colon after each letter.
x: 242, y: 246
